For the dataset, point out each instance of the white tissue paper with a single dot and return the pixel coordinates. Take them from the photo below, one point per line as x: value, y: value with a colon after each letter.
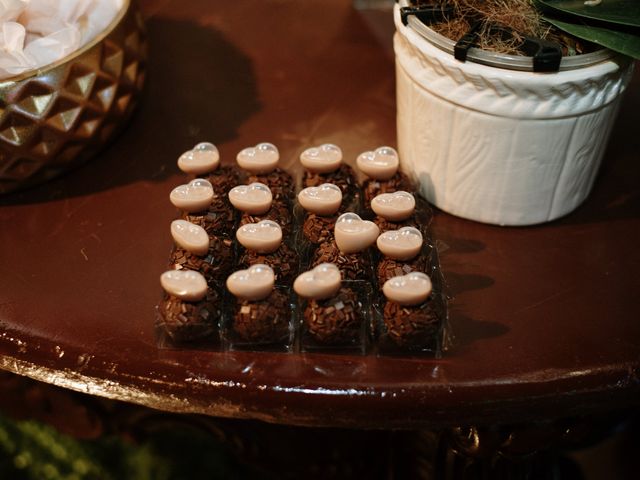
x: 35, y: 33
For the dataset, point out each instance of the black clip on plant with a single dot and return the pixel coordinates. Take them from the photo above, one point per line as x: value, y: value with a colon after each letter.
x: 426, y: 15
x: 546, y: 55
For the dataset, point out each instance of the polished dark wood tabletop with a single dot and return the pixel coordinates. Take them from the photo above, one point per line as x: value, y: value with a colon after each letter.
x: 545, y: 319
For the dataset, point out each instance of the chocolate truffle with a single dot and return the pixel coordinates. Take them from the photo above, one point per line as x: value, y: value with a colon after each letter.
x: 279, y: 182
x: 343, y: 177
x: 372, y: 187
x: 412, y: 326
x: 318, y: 229
x: 184, y: 321
x: 279, y: 213
x: 389, y: 268
x: 336, y: 320
x: 354, y: 266
x: 215, y: 265
x: 218, y: 219
x: 263, y: 321
x: 223, y: 179
x: 284, y: 262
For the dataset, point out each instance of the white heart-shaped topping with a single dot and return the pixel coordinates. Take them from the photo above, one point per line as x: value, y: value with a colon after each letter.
x: 184, y: 284
x: 195, y: 196
x: 254, y: 199
x: 261, y: 159
x: 322, y: 200
x: 324, y: 281
x: 354, y: 234
x: 262, y: 237
x: 402, y: 244
x: 410, y: 289
x: 202, y: 158
x: 395, y: 206
x: 254, y: 283
x: 190, y: 236
x: 323, y: 159
x: 382, y: 164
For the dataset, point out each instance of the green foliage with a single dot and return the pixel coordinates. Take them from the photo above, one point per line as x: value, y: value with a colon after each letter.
x: 33, y: 451
x: 621, y: 42
x: 614, y: 24
x: 624, y: 12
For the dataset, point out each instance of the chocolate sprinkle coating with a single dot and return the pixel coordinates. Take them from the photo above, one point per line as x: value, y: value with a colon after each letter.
x: 385, y: 225
x: 411, y: 326
x: 284, y: 262
x: 223, y: 179
x: 279, y: 182
x: 389, y: 268
x: 353, y: 266
x: 343, y: 177
x: 318, y: 229
x: 218, y: 219
x: 184, y: 321
x: 335, y: 321
x: 371, y: 187
x: 279, y: 213
x: 216, y: 265
x: 264, y: 321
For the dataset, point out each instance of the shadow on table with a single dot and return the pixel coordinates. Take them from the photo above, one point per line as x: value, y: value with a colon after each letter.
x: 467, y: 330
x: 187, y: 64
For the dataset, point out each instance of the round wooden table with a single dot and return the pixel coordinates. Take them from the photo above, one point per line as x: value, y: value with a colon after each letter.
x: 544, y: 319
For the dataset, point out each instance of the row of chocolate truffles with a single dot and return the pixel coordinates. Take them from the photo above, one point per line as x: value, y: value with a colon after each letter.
x: 259, y: 233
x: 324, y: 320
x: 322, y: 164
x: 202, y: 235
x: 343, y: 239
x: 261, y: 202
x: 332, y: 312
x: 263, y: 240
x: 260, y: 163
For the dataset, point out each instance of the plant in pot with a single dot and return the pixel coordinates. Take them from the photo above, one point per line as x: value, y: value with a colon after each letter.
x: 505, y: 107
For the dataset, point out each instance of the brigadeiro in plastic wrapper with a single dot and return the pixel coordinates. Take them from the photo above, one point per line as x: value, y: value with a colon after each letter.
x: 202, y: 206
x: 323, y: 164
x: 395, y: 210
x: 353, y: 236
x: 261, y: 162
x: 403, y: 252
x: 332, y: 314
x: 215, y: 263
x: 383, y: 176
x: 189, y: 310
x: 262, y: 242
x: 255, y: 201
x: 413, y: 317
x: 321, y: 204
x: 203, y: 160
x: 262, y: 314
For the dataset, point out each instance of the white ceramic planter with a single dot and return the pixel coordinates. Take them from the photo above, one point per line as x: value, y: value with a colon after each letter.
x: 502, y: 146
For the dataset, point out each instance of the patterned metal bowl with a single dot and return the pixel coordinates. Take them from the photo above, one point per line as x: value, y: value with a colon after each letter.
x: 55, y: 118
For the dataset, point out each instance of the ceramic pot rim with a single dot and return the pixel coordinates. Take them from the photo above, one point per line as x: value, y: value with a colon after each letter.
x: 501, y: 60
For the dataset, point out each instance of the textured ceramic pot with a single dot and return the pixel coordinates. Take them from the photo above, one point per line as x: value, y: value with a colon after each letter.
x: 57, y: 117
x: 497, y: 145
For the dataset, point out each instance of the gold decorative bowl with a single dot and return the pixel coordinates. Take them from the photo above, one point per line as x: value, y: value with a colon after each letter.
x: 57, y: 117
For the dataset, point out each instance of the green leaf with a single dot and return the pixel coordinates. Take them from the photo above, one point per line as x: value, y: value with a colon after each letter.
x: 622, y: 42
x: 623, y: 12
